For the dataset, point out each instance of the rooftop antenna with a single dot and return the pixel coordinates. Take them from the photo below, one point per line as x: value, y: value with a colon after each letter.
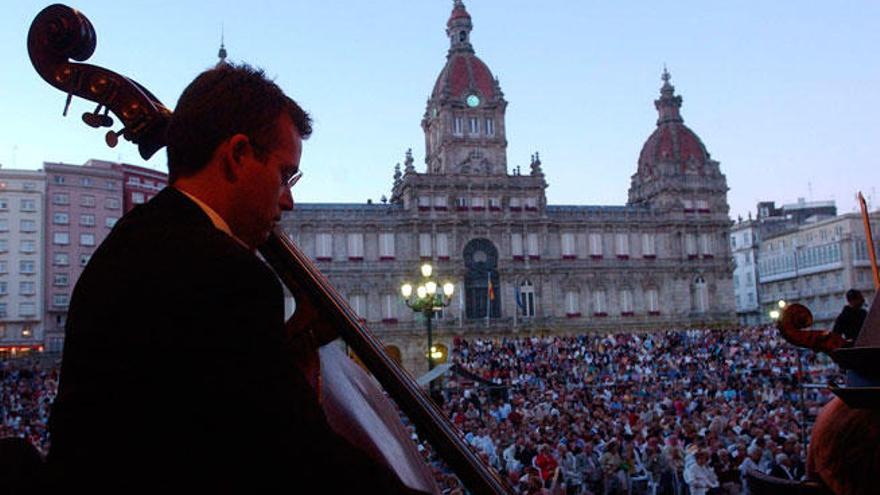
x: 222, y: 53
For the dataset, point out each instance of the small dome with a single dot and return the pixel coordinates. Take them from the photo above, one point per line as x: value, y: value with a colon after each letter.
x: 458, y: 12
x: 672, y: 141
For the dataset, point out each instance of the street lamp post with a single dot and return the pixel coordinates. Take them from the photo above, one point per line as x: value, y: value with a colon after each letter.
x: 428, y: 301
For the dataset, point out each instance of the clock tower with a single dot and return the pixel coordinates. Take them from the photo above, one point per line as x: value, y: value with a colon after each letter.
x: 464, y: 119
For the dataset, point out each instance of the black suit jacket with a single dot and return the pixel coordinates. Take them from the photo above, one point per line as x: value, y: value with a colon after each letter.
x: 849, y: 322
x: 177, y: 373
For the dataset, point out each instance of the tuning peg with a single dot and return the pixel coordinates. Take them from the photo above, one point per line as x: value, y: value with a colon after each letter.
x: 96, y: 119
x: 112, y: 137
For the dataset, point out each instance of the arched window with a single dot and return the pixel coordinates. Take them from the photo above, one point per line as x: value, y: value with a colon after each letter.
x: 701, y: 295
x: 482, y: 281
x: 525, y: 299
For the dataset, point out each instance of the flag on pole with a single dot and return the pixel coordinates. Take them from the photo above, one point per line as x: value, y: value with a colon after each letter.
x: 490, y: 296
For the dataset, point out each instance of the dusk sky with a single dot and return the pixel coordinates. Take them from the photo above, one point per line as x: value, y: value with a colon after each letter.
x: 786, y: 95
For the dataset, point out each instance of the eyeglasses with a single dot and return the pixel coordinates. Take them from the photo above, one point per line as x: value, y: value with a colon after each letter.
x: 288, y: 179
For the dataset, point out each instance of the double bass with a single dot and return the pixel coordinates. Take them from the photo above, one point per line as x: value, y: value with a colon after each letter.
x: 59, y: 40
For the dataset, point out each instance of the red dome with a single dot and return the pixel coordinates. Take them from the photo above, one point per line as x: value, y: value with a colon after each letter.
x: 464, y: 71
x: 672, y: 142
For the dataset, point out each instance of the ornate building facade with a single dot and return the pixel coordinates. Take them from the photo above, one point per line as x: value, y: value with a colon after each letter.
x: 520, y: 265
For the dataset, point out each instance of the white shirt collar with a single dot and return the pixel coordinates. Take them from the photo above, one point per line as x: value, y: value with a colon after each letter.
x: 215, y: 217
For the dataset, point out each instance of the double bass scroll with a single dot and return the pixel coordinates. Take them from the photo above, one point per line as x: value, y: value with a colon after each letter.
x: 60, y: 33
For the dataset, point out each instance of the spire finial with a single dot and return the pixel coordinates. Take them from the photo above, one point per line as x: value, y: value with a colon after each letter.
x: 669, y: 103
x: 536, y: 164
x: 408, y: 162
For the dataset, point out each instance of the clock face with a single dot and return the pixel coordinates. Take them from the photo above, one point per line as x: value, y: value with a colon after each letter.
x: 473, y: 100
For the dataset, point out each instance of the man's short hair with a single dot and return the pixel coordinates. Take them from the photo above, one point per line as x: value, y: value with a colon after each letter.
x: 853, y: 295
x: 220, y: 103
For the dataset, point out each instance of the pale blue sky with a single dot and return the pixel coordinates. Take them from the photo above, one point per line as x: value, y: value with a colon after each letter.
x: 784, y: 94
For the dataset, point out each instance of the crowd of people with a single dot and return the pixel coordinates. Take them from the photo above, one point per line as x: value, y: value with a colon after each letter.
x: 27, y: 389
x: 666, y: 412
x: 669, y: 412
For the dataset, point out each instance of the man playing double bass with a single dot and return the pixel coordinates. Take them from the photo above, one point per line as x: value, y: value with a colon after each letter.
x: 178, y: 372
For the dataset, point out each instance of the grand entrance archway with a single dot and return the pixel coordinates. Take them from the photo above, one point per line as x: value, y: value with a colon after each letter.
x: 482, y: 284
